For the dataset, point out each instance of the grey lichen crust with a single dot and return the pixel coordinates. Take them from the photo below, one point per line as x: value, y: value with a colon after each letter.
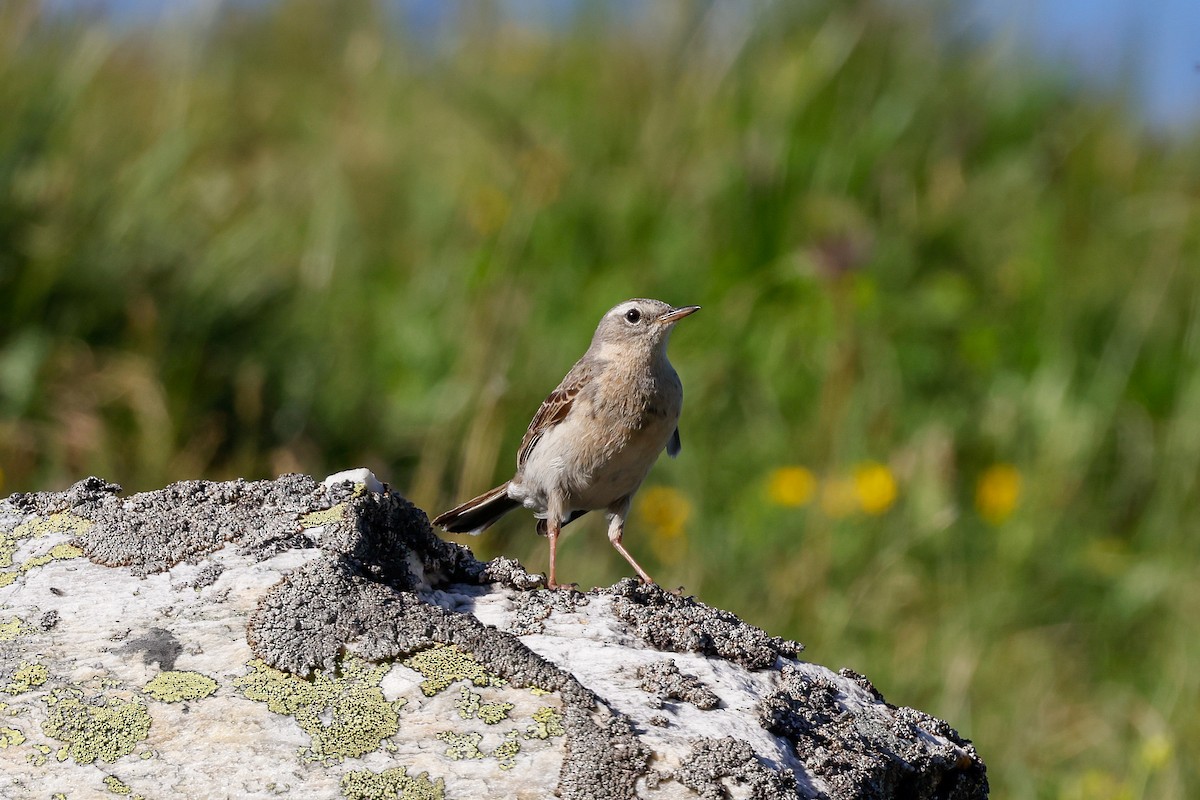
x: 370, y: 583
x: 865, y: 757
x: 663, y: 681
x: 714, y: 762
x: 154, y: 531
x: 667, y: 621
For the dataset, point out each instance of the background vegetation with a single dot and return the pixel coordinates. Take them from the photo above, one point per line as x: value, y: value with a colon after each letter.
x: 943, y: 417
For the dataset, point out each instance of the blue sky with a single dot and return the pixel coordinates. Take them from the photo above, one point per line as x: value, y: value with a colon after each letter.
x: 1151, y: 47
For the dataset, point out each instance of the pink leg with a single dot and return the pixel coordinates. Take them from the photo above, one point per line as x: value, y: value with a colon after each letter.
x: 553, y: 528
x: 616, y: 529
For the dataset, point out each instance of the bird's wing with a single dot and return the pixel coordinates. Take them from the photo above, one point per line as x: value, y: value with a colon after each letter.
x: 556, y: 407
x: 674, y: 445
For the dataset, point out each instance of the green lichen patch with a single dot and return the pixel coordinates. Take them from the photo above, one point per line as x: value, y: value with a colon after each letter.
x: 60, y: 552
x: 174, y: 686
x: 10, y: 737
x: 493, y: 713
x: 40, y: 755
x: 462, y: 745
x: 116, y: 785
x: 104, y: 728
x: 325, y: 516
x: 14, y: 628
x: 506, y: 752
x: 442, y: 665
x: 547, y: 722
x: 346, y: 715
x: 470, y: 704
x: 26, y: 677
x: 63, y: 522
x: 391, y: 784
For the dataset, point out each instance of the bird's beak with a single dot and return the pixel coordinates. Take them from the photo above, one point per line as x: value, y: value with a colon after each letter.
x: 676, y: 314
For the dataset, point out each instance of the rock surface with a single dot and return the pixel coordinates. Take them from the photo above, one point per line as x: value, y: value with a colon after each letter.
x: 295, y: 638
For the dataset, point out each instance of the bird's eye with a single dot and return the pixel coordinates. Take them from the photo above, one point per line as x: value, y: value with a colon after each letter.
x: 633, y: 316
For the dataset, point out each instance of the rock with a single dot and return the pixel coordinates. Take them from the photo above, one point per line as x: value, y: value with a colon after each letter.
x: 295, y: 638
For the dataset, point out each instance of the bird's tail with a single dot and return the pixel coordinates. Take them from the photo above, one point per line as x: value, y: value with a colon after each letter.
x: 478, y: 514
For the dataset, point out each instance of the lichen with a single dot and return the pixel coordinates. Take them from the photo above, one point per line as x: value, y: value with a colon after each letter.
x: 462, y: 745
x: 26, y: 677
x: 506, y: 752
x: 60, y: 552
x: 116, y: 785
x: 325, y: 516
x: 391, y: 784
x: 345, y: 715
x: 40, y: 755
x: 442, y: 665
x: 547, y: 722
x: 14, y: 629
x: 470, y: 704
x: 10, y: 737
x: 173, y: 686
x: 63, y: 522
x: 104, y: 728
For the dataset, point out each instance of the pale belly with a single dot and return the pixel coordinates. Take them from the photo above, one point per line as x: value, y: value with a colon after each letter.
x: 590, y: 467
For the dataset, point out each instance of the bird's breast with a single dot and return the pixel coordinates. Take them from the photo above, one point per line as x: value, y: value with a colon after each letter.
x: 604, y: 448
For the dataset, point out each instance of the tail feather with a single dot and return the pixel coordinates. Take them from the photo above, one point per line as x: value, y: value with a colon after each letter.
x: 477, y: 514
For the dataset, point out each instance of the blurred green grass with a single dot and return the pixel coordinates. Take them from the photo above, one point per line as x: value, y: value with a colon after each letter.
x: 292, y: 238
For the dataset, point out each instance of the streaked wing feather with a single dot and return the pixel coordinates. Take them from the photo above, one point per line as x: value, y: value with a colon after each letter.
x: 555, y: 408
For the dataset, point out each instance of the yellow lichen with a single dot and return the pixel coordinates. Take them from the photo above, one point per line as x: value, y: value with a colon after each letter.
x: 60, y: 552
x: 325, y: 516
x: 462, y: 745
x: 442, y: 665
x: 346, y: 715
x: 63, y: 522
x: 14, y: 629
x: 116, y: 785
x: 173, y: 686
x: 39, y: 756
x: 470, y: 704
x: 547, y: 722
x: 507, y: 752
x: 26, y: 677
x: 10, y: 737
x: 94, y: 728
x: 391, y: 784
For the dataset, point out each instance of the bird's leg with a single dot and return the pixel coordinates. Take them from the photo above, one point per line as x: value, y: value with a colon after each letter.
x: 553, y: 527
x: 616, y: 529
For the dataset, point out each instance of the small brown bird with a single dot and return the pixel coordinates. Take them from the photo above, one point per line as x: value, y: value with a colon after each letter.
x: 596, y: 436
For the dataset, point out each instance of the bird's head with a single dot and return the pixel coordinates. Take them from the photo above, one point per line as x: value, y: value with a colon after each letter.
x: 639, y: 324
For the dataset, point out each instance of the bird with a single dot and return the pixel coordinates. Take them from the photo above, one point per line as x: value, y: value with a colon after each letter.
x: 593, y: 440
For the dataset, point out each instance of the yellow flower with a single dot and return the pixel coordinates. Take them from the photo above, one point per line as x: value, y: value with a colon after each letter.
x: 791, y: 487
x: 1156, y: 752
x: 997, y: 492
x: 875, y: 487
x: 838, y: 498
x: 665, y: 511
